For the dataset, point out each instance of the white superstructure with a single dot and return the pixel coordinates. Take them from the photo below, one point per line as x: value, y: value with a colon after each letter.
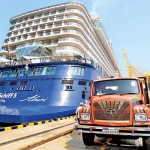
x: 65, y: 29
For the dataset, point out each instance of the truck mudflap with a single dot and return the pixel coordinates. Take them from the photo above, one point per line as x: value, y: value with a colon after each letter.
x: 122, y: 131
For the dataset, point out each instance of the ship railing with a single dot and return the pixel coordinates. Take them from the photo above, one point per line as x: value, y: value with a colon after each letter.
x: 31, y: 60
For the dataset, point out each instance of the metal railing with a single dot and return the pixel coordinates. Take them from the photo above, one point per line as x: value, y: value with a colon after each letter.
x: 14, y: 62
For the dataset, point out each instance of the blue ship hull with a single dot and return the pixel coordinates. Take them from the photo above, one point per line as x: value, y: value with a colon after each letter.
x: 37, y: 115
x: 37, y: 96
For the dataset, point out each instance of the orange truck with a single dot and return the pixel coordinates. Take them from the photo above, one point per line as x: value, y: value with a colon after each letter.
x: 118, y: 109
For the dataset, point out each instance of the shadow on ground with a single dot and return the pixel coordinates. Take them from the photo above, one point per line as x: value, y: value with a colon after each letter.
x: 76, y: 143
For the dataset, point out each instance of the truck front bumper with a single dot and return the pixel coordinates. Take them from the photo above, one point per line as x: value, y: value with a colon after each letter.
x: 119, y: 131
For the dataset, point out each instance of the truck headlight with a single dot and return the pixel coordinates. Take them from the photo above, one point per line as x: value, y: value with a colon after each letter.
x: 85, y: 116
x: 140, y: 117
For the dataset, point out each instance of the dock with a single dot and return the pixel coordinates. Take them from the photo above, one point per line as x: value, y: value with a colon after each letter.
x: 31, y: 136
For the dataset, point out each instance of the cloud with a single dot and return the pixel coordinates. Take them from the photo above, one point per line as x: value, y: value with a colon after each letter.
x: 98, y: 5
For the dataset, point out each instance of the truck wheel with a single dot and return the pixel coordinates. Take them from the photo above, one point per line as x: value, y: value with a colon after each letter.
x: 146, y: 143
x: 88, y: 138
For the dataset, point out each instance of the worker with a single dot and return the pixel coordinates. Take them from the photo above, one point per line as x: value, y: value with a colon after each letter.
x: 78, y: 110
x: 87, y: 106
x: 87, y: 102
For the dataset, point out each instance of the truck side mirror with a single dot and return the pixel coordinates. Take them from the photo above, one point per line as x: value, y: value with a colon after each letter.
x: 83, y: 94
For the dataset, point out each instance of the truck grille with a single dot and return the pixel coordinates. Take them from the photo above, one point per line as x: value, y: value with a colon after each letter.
x: 111, y: 111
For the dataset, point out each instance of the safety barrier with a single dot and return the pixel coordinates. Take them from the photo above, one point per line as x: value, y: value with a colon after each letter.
x: 33, y: 123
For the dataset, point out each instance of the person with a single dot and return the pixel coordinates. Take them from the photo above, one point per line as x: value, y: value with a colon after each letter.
x: 87, y: 102
x: 87, y: 106
x: 78, y: 111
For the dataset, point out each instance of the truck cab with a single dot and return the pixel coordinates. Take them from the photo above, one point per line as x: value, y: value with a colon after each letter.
x: 118, y: 108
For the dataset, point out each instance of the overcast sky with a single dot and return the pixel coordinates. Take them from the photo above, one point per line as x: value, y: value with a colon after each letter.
x: 127, y: 23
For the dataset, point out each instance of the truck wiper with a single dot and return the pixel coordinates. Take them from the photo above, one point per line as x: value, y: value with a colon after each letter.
x: 127, y: 93
x: 106, y: 94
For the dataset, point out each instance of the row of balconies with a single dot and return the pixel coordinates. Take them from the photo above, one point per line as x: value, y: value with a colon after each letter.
x: 36, y: 16
x: 33, y: 29
x: 56, y: 25
x: 41, y: 43
x: 43, y: 34
x: 51, y: 33
x: 47, y: 26
x: 64, y: 17
x: 51, y: 14
x: 57, y: 12
x: 47, y: 30
x: 43, y: 27
x: 44, y: 15
x: 45, y: 22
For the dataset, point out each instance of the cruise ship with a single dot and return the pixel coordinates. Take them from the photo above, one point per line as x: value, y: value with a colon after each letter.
x: 48, y: 59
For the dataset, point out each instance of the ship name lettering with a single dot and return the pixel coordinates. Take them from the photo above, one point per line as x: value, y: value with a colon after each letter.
x: 8, y: 95
x: 2, y: 100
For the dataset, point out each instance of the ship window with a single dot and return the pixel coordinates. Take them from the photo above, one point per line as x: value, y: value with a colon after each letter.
x: 12, y: 73
x: 13, y: 83
x: 2, y: 83
x: 44, y: 20
x: 76, y: 70
x: 81, y: 83
x: 68, y: 87
x: 37, y: 71
x: 5, y: 73
x: 46, y: 14
x: 53, y: 12
x: 56, y: 31
x: 23, y: 82
x: 61, y: 11
x: 50, y: 70
x: 67, y: 82
x: 58, y: 24
x: 21, y: 72
x: 82, y: 71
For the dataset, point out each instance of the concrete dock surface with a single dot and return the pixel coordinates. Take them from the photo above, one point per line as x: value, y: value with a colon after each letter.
x: 28, y: 137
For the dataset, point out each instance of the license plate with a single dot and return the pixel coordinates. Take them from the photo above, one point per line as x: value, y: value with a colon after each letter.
x: 110, y: 131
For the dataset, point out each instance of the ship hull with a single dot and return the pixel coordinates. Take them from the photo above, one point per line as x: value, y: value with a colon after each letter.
x: 44, y: 97
x: 30, y: 116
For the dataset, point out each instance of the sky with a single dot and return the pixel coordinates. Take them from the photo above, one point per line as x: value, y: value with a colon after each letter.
x: 127, y: 23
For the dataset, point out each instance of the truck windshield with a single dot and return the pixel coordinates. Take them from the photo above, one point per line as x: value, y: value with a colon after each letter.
x: 126, y: 86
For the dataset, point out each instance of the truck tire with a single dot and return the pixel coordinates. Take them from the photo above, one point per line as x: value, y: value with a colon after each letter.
x: 88, y: 138
x: 146, y: 143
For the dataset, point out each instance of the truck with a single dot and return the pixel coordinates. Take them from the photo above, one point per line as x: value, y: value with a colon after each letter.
x: 118, y: 108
